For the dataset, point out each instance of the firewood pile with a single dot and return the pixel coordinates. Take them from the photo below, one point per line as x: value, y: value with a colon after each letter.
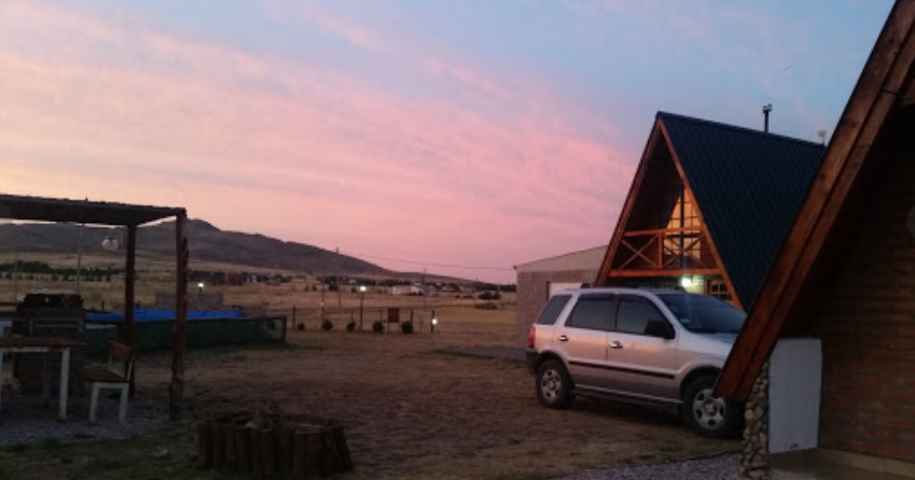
x: 272, y: 445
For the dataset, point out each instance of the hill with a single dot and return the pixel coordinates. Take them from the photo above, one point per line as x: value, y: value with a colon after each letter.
x: 207, y: 243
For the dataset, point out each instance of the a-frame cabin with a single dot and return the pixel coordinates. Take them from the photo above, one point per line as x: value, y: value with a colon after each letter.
x: 708, y: 208
x: 844, y: 280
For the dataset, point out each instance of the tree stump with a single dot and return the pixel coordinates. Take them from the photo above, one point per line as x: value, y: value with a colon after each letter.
x: 273, y: 446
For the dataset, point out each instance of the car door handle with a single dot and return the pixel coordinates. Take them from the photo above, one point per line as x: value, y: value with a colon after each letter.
x: 563, y: 338
x: 616, y: 345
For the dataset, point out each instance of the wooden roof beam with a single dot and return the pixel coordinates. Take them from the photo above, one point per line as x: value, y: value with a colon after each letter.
x: 678, y: 272
x: 907, y: 99
x: 872, y: 100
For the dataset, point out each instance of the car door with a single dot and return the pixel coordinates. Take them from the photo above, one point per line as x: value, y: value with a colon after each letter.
x: 642, y: 361
x: 583, y: 338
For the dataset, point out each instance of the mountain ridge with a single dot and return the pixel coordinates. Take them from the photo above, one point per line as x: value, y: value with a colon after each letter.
x: 206, y: 241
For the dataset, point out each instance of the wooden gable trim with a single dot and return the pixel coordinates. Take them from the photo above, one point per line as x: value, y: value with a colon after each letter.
x: 623, y: 219
x: 711, y: 241
x: 908, y: 98
x: 872, y: 100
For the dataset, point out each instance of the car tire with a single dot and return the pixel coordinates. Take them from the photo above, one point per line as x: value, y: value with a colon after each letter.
x: 708, y: 415
x: 554, y: 385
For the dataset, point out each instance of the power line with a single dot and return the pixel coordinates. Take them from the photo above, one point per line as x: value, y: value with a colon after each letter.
x: 429, y: 264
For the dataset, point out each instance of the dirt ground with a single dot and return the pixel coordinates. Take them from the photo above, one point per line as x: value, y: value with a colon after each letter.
x: 411, y: 409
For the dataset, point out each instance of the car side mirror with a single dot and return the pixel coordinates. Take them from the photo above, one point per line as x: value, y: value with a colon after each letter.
x: 660, y: 329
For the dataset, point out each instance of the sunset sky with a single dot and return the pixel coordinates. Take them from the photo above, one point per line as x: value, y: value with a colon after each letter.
x: 473, y: 133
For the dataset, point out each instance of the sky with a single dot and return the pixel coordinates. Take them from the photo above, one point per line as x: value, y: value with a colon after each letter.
x: 463, y: 137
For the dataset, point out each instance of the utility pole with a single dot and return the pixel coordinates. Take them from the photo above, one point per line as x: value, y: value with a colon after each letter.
x: 766, y: 109
x: 423, y: 283
x: 79, y: 257
x: 16, y: 279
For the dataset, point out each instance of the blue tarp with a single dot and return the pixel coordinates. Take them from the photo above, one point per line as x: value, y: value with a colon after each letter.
x: 161, y: 315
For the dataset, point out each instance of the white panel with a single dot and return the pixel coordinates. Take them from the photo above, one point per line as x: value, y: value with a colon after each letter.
x: 555, y: 287
x: 795, y: 370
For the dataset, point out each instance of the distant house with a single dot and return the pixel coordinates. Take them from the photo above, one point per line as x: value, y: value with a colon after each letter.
x: 826, y: 359
x: 538, y: 279
x: 708, y: 208
x: 406, y: 290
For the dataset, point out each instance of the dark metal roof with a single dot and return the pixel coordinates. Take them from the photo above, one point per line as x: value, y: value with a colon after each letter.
x: 749, y: 186
x: 19, y: 207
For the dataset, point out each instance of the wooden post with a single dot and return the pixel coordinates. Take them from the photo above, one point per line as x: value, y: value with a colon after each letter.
x: 130, y: 276
x: 285, y: 324
x: 176, y: 389
x: 322, y: 302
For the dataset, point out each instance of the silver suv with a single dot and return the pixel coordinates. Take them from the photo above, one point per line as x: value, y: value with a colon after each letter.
x: 661, y: 347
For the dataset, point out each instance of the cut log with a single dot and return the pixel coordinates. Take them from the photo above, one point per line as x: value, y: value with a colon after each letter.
x: 313, y: 453
x: 204, y: 445
x: 268, y: 452
x: 242, y: 448
x: 299, y: 470
x: 228, y: 435
x: 273, y: 446
x: 330, y: 462
x: 346, y: 461
x: 219, y: 449
x: 284, y: 455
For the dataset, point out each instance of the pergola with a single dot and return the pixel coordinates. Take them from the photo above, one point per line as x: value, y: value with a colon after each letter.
x: 29, y: 208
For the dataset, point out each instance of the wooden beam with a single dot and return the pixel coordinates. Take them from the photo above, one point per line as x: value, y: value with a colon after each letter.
x: 678, y: 272
x: 871, y: 101
x: 656, y: 231
x: 130, y: 301
x: 638, y: 252
x: 176, y: 389
x: 623, y: 220
x: 908, y: 97
x: 808, y: 251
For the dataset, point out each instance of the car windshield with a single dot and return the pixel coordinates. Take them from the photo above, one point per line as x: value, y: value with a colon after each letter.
x: 704, y: 314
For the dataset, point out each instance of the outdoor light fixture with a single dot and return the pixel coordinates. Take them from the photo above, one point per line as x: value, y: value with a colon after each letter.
x: 434, y: 321
x: 433, y: 324
x: 686, y: 282
x: 200, y: 285
x: 110, y: 244
x: 362, y: 288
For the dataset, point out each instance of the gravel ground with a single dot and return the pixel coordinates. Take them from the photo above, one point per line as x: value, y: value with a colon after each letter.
x: 720, y: 467
x: 25, y: 419
x: 493, y: 352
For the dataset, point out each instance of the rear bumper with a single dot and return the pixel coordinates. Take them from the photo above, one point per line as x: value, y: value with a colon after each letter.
x: 531, y: 357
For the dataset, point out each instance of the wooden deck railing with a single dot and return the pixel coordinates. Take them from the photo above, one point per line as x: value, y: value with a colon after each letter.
x: 663, y: 250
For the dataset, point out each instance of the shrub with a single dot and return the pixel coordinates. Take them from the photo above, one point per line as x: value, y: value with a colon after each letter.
x: 488, y: 295
x: 351, y: 326
x: 327, y: 325
x: 378, y: 326
x: 406, y: 327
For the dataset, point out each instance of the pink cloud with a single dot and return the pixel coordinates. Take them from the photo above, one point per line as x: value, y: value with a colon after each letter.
x: 267, y: 144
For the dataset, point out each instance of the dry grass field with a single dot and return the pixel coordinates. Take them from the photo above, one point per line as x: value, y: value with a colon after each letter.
x: 412, y: 410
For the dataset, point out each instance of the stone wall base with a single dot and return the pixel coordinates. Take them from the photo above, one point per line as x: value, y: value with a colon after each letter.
x: 754, y: 460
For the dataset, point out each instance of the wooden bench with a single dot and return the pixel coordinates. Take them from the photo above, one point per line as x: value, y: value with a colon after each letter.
x: 100, y: 377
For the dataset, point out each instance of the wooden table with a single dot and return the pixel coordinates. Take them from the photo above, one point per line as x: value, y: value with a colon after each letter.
x: 44, y: 345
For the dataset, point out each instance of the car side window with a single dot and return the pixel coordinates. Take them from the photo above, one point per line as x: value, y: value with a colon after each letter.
x: 593, y: 312
x: 636, y: 314
x: 552, y: 309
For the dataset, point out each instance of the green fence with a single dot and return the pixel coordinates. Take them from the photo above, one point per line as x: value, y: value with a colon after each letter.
x: 152, y: 336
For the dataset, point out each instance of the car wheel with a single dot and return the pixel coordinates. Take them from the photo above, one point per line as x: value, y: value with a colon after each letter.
x: 554, y: 386
x: 707, y: 414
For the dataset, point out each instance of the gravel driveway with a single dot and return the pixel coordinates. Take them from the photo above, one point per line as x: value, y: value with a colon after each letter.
x: 720, y: 467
